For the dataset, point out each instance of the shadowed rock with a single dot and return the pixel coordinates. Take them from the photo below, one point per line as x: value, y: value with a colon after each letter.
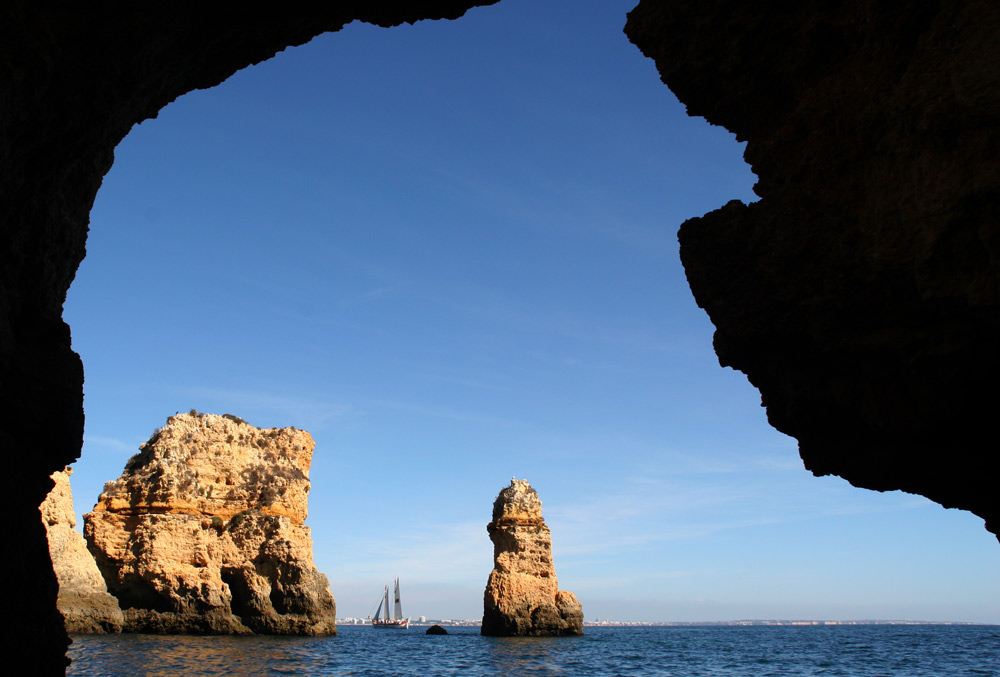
x: 522, y: 595
x: 436, y: 630
x: 861, y: 294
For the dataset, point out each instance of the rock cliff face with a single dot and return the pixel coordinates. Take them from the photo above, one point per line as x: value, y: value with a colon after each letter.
x: 522, y: 595
x: 83, y: 598
x: 861, y: 294
x: 204, y: 533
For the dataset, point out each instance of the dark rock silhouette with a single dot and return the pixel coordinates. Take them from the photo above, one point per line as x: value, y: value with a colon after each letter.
x: 859, y: 295
x: 436, y: 630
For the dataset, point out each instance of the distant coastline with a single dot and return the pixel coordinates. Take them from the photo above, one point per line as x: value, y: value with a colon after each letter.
x: 599, y: 623
x: 769, y: 622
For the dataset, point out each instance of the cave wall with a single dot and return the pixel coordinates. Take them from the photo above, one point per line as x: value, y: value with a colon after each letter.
x: 74, y: 79
x: 860, y: 293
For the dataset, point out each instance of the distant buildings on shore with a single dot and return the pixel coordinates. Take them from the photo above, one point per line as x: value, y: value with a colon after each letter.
x: 421, y: 620
x: 603, y: 622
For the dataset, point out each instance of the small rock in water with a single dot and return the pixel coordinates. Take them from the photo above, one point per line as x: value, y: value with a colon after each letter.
x: 436, y: 630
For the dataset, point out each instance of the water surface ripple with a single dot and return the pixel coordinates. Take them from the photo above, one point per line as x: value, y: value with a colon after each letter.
x: 847, y: 651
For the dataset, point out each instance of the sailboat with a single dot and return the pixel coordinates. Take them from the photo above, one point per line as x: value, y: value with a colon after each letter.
x: 397, y: 620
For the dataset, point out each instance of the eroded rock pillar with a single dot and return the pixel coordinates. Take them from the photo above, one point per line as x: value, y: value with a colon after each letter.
x: 83, y: 599
x: 522, y: 595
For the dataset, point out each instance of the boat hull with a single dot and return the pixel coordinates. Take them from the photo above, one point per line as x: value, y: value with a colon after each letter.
x: 392, y: 625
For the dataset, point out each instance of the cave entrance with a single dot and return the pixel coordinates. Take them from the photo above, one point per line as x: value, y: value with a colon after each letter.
x: 448, y: 251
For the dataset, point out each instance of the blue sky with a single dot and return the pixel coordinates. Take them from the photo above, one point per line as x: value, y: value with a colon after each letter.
x: 449, y: 252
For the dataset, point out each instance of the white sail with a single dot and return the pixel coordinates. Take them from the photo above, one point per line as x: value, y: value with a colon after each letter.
x: 397, y: 620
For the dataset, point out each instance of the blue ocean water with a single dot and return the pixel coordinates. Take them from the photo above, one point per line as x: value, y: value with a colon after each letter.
x: 850, y: 651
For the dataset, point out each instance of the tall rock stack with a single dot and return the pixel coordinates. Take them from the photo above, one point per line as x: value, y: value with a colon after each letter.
x: 204, y: 532
x: 522, y: 595
x: 83, y: 599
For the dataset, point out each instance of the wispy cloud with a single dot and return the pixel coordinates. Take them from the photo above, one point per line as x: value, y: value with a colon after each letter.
x: 609, y: 583
x: 113, y: 443
x: 451, y: 552
x: 98, y: 446
x: 375, y: 294
x: 782, y: 462
x: 492, y: 381
x: 310, y: 414
x: 644, y: 513
x: 446, y: 413
x: 650, y: 510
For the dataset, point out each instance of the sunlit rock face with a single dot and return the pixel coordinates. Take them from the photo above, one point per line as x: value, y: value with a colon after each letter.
x: 861, y: 294
x: 522, y: 596
x: 83, y: 599
x: 204, y: 532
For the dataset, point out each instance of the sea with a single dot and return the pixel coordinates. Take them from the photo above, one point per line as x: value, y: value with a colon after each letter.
x: 760, y: 651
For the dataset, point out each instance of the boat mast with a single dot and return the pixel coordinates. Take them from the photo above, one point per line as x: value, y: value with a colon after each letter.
x: 397, y: 610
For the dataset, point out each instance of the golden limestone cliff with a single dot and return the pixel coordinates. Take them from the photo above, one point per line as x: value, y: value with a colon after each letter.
x: 83, y: 599
x: 204, y: 532
x: 522, y: 595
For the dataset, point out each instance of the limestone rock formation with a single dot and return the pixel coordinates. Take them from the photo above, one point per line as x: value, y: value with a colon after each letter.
x: 522, y: 595
x: 83, y: 598
x: 204, y: 532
